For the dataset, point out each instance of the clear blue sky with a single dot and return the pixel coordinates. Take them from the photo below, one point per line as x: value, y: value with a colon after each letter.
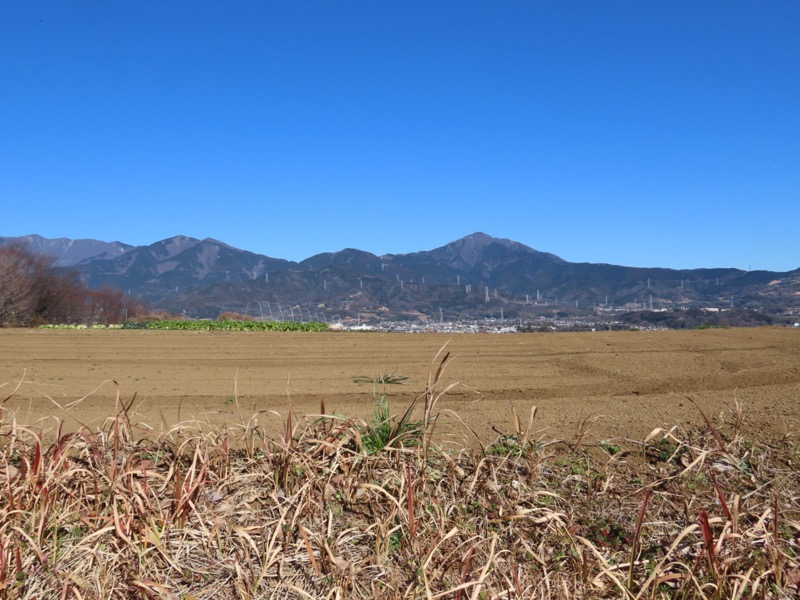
x: 657, y: 133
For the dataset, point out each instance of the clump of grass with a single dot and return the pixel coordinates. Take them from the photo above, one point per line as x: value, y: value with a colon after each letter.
x: 119, y: 512
x: 386, y: 430
x: 383, y: 378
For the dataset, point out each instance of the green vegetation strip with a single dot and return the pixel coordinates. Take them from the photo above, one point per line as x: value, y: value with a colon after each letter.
x: 207, y: 325
x: 78, y: 326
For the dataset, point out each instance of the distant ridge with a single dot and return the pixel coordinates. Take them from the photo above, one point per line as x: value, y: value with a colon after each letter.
x: 69, y: 252
x: 477, y: 275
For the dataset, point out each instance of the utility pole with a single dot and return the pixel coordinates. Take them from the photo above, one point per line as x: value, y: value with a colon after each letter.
x: 486, y: 298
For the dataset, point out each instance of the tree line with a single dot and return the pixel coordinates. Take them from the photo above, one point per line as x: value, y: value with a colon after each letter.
x: 34, y: 292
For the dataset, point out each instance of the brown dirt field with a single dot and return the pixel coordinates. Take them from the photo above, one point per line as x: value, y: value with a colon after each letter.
x: 633, y: 381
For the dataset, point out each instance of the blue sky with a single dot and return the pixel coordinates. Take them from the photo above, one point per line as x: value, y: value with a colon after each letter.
x: 658, y: 133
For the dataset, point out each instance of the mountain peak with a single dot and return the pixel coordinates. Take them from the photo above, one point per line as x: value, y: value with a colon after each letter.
x: 467, y: 251
x: 478, y: 235
x: 169, y: 247
x: 482, y: 240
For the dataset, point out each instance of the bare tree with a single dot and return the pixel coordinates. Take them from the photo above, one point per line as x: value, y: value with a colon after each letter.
x: 107, y: 305
x: 17, y: 303
x: 33, y: 292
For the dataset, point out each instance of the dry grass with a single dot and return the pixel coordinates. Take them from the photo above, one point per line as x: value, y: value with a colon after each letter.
x: 116, y: 512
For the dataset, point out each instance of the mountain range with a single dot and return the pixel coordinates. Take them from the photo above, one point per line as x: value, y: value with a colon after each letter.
x: 476, y: 276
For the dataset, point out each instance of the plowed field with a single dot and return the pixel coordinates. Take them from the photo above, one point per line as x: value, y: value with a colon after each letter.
x: 625, y: 383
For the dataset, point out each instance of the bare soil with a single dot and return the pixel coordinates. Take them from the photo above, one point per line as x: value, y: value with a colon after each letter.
x: 624, y: 384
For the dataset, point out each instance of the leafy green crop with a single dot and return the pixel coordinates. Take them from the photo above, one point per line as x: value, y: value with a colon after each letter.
x: 78, y: 326
x: 207, y: 325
